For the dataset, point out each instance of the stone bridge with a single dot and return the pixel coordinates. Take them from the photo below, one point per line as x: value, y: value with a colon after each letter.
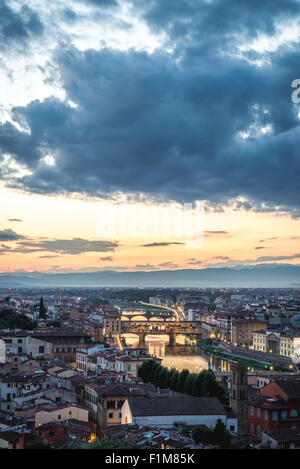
x: 163, y: 327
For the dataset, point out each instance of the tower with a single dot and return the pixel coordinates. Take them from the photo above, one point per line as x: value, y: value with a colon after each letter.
x: 239, y: 396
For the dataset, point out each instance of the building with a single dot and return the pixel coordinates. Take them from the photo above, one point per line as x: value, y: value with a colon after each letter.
x: 242, y: 330
x: 112, y: 325
x: 2, y: 351
x: 15, y: 388
x: 60, y: 414
x: 279, y: 341
x: 281, y: 439
x: 127, y: 361
x: 164, y: 412
x: 276, y: 406
x: 83, y: 355
x: 22, y: 342
x: 131, y: 361
x: 10, y: 439
x: 64, y: 341
x: 112, y: 398
x: 239, y: 396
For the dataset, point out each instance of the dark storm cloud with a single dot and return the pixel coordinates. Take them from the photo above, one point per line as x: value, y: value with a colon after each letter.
x: 18, y: 26
x: 215, y: 18
x: 167, y: 124
x: 9, y: 235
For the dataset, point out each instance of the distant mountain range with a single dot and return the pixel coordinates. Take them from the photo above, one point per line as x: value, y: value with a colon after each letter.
x: 260, y: 275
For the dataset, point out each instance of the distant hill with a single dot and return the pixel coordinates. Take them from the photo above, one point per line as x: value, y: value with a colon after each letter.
x: 260, y: 275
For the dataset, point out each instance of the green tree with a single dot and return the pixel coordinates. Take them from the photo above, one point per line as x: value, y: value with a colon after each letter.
x: 189, y: 385
x: 181, y: 380
x: 144, y: 370
x: 174, y: 380
x: 220, y: 435
x: 198, y: 385
x: 163, y: 377
x: 202, y: 435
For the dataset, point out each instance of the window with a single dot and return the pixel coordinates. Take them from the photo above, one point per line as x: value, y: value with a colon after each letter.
x: 274, y: 415
x: 283, y: 415
x: 110, y: 415
x: 266, y: 415
x: 59, y: 417
x: 252, y: 410
x: 41, y: 349
x: 258, y: 412
x: 294, y: 413
x: 258, y: 430
x: 20, y: 341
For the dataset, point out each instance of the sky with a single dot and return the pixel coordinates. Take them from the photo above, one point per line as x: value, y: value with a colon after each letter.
x: 148, y: 135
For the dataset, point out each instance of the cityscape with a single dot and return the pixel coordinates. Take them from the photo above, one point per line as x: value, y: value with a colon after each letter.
x: 150, y: 368
x: 149, y: 227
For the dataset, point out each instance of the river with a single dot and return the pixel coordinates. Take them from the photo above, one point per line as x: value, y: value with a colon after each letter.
x: 191, y: 358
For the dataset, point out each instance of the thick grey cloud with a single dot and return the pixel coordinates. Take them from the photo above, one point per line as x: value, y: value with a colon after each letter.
x: 18, y: 27
x: 169, y: 124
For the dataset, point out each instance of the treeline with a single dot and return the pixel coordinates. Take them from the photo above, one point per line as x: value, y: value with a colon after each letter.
x: 194, y: 384
x: 10, y: 320
x: 217, y: 436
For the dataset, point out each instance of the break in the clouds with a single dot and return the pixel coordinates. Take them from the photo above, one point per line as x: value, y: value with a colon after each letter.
x: 205, y: 114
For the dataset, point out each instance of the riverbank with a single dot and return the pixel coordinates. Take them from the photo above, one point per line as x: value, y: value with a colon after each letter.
x: 251, y: 364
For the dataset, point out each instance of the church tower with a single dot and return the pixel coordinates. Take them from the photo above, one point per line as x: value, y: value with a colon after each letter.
x: 239, y: 396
